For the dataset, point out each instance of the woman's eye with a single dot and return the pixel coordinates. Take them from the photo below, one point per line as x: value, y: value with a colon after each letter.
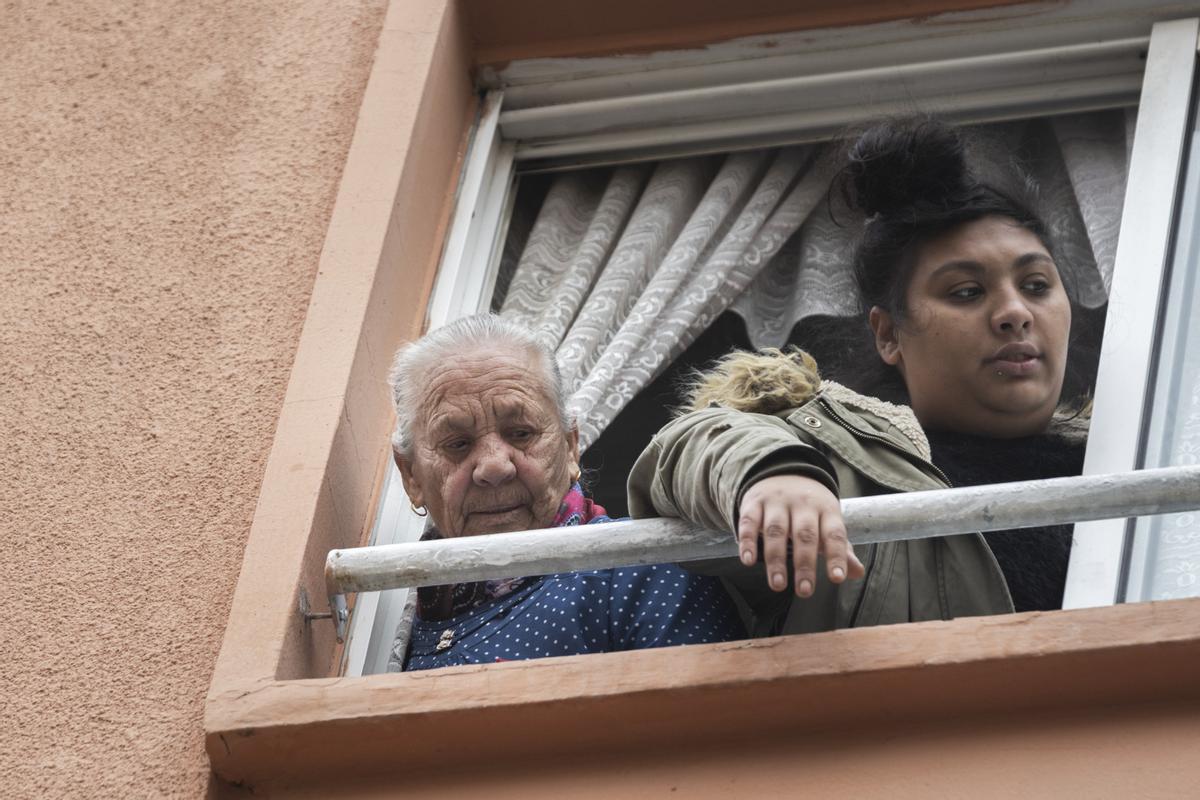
x: 520, y: 434
x: 457, y: 445
x: 1036, y: 286
x: 966, y: 292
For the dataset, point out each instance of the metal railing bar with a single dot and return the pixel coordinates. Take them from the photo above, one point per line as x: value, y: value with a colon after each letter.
x: 913, y: 515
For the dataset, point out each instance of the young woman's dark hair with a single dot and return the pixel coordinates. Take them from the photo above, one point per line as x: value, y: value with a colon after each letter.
x: 911, y: 180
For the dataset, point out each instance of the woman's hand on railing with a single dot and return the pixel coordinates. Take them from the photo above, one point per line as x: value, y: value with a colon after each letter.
x: 802, y: 512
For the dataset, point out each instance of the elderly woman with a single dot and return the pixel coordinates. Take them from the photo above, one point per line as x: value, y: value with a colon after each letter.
x: 485, y: 445
x: 969, y: 309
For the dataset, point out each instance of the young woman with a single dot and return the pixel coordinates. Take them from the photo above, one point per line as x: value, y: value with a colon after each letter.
x: 967, y: 306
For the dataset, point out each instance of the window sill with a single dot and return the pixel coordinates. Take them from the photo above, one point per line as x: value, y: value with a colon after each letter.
x: 406, y: 723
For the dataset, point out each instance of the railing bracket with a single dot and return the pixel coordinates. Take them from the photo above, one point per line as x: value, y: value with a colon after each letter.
x: 340, y: 614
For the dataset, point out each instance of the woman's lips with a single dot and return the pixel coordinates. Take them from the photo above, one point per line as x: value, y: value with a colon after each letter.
x: 1015, y: 360
x: 496, y: 511
x: 498, y: 519
x: 1016, y: 368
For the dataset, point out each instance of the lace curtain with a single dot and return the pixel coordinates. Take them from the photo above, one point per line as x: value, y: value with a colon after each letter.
x: 620, y: 269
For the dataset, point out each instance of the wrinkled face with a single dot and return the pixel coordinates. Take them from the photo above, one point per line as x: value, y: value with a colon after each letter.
x: 489, y: 453
x: 983, y: 347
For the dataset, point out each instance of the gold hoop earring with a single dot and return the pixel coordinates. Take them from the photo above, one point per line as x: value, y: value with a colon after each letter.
x: 420, y: 512
x: 576, y: 473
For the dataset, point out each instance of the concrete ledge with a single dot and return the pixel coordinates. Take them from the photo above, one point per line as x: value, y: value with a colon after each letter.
x: 418, y: 723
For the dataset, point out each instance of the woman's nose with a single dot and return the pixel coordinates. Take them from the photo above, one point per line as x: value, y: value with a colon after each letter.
x: 1011, y: 314
x: 494, y: 464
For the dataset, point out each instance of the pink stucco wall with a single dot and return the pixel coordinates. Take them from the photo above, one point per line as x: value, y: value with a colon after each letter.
x: 167, y: 173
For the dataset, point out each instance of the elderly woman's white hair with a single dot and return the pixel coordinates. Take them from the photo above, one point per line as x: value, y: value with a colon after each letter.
x: 414, y: 360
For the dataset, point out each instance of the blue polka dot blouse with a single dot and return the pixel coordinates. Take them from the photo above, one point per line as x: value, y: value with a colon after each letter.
x: 598, y: 611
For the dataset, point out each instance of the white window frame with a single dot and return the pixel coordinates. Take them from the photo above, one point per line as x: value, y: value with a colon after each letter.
x: 484, y: 203
x: 1001, y: 64
x: 1132, y: 337
x: 1148, y: 540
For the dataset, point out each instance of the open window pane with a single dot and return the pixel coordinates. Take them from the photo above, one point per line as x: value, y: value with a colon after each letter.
x: 1165, y: 562
x: 1117, y: 437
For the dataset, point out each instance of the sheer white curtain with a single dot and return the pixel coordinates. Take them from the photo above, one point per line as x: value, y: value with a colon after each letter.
x: 622, y: 268
x: 622, y: 272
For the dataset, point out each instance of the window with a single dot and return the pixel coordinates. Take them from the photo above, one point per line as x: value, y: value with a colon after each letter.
x: 626, y: 111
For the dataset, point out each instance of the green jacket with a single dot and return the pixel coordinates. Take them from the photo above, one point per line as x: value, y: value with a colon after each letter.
x: 698, y: 467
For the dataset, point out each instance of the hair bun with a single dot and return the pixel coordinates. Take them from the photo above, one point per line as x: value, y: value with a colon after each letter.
x: 901, y: 165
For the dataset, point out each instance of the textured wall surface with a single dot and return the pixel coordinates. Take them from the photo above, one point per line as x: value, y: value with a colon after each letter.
x: 167, y: 172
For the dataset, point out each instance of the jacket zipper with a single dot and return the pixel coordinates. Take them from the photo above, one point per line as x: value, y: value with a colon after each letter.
x: 911, y: 457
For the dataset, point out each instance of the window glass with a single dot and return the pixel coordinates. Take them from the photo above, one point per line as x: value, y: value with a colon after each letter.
x: 1165, y: 563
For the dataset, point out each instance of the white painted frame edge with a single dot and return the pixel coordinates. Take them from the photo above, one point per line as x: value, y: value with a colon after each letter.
x: 482, y: 207
x: 392, y: 525
x: 487, y: 175
x: 548, y: 81
x: 1094, y: 573
x: 1183, y: 272
x: 1106, y: 65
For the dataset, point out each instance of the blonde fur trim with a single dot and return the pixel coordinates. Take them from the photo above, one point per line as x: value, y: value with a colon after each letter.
x: 772, y: 380
x: 763, y: 382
